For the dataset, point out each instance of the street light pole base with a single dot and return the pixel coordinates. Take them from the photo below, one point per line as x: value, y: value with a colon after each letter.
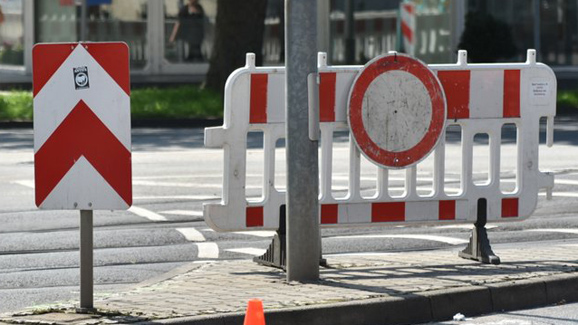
x: 84, y: 310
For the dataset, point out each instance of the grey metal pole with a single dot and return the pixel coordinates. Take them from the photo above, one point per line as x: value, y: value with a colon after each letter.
x: 458, y: 24
x: 83, y: 19
x: 86, y: 260
x: 537, y: 45
x: 323, y: 27
x: 349, y: 33
x: 303, y: 238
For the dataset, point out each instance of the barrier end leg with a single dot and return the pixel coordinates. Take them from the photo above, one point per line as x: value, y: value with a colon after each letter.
x: 479, y: 248
x: 276, y: 254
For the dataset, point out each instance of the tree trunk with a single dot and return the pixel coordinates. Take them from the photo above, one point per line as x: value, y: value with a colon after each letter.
x: 239, y: 29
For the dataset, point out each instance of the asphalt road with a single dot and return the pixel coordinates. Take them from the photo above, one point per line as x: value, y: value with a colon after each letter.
x: 173, y: 175
x: 566, y: 314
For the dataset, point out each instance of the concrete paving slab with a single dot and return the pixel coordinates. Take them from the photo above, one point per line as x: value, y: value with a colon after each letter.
x: 409, y: 287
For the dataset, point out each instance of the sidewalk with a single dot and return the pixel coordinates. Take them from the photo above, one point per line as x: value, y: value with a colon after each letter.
x: 356, y: 289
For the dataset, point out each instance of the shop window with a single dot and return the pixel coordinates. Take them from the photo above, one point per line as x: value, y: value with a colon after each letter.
x: 189, y: 27
x: 11, y: 33
x: 107, y: 20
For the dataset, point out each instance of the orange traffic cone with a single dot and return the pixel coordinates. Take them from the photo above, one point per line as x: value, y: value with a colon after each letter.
x: 255, y: 314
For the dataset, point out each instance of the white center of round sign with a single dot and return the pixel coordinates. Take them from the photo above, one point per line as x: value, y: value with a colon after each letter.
x: 397, y: 111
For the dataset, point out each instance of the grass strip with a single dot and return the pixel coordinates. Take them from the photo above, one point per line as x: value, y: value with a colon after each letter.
x: 175, y: 103
x: 184, y: 102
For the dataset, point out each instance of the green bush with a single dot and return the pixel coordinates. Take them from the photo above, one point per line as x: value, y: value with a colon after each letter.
x: 16, y: 106
x: 147, y: 103
x: 568, y: 98
x: 174, y: 103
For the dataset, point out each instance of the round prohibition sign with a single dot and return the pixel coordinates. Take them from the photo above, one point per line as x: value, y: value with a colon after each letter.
x: 397, y: 111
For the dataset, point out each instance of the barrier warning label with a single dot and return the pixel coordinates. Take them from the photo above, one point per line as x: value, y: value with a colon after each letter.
x: 540, y: 91
x: 540, y: 88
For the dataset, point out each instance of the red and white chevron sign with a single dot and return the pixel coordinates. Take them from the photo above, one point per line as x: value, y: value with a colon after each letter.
x: 82, y: 141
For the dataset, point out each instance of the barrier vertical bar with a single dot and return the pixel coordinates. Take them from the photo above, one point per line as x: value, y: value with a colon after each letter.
x: 382, y: 183
x: 303, y: 238
x: 495, y: 138
x: 439, y: 168
x: 411, y: 182
x: 354, y: 191
x: 326, y: 161
x: 269, y: 141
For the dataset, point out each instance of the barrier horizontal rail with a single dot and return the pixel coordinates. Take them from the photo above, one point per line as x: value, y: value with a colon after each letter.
x: 481, y: 99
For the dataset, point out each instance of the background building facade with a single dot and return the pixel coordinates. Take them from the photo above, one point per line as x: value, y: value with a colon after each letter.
x: 550, y: 26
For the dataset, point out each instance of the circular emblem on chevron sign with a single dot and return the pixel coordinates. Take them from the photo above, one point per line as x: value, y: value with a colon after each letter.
x: 397, y: 111
x: 81, y: 79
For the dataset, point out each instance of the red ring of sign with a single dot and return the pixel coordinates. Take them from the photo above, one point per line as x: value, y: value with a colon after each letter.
x: 370, y: 149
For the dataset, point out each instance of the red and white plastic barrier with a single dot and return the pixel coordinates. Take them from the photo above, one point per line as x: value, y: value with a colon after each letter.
x: 481, y: 99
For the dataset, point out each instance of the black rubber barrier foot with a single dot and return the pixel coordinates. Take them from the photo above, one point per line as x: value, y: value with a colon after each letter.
x: 479, y: 248
x: 276, y: 254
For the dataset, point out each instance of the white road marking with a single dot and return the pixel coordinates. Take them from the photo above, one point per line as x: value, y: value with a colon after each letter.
x: 177, y: 197
x: 467, y: 227
x: 399, y: 188
x: 397, y: 179
x: 187, y: 184
x: 566, y: 181
x: 259, y: 233
x: 202, y: 262
x: 561, y: 194
x: 174, y: 184
x: 208, y: 250
x: 26, y: 183
x: 141, y: 212
x: 177, y: 177
x: 452, y: 190
x: 560, y: 230
x: 360, y: 254
x: 402, y: 179
x: 442, y: 239
x: 188, y: 213
x: 248, y: 251
x: 188, y: 176
x: 191, y: 234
